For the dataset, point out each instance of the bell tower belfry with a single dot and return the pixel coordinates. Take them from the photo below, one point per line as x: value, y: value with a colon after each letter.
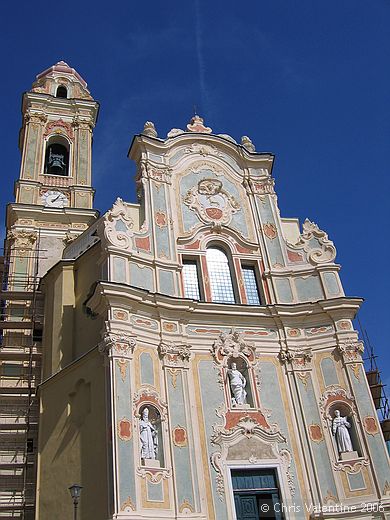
x: 54, y: 194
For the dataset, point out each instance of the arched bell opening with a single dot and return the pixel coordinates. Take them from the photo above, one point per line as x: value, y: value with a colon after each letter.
x: 57, y: 156
x: 62, y: 92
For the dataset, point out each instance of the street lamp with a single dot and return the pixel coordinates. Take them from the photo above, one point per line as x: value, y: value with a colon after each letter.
x: 75, y: 492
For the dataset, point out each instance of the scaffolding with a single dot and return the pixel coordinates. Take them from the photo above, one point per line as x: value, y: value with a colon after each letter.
x: 377, y: 387
x: 21, y: 322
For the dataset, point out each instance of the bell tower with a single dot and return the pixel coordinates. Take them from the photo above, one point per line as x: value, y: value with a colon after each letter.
x: 53, y: 205
x: 54, y: 195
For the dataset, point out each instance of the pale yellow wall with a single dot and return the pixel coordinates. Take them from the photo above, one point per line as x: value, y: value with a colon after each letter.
x: 68, y: 331
x: 73, y: 441
x: 58, y: 326
x: 87, y: 330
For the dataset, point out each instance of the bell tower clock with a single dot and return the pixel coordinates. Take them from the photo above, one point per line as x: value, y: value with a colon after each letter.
x: 54, y: 195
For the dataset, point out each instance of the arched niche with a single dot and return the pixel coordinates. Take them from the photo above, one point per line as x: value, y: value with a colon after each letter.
x: 151, y: 437
x: 57, y: 154
x: 347, y: 412
x: 234, y: 381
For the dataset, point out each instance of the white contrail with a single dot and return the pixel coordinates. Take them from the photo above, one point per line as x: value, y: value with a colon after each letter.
x: 199, y: 52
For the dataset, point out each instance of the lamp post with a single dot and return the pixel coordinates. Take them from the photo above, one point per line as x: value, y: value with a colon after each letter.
x: 75, y: 492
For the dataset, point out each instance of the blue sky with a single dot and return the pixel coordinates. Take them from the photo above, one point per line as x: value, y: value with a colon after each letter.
x: 306, y: 80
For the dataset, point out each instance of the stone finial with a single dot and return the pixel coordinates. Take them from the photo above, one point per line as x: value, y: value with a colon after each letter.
x: 149, y: 129
x: 245, y: 141
x: 196, y: 125
x: 174, y: 132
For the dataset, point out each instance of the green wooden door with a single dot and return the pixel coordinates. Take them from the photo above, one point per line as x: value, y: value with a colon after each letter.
x: 256, y: 493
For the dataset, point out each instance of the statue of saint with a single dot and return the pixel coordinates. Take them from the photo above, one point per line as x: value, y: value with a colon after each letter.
x: 148, y: 436
x: 340, y: 428
x: 237, y: 385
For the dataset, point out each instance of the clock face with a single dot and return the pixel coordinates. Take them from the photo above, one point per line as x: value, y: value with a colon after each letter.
x: 54, y: 199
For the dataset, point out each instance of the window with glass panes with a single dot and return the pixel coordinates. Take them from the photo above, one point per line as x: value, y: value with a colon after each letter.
x: 191, y: 279
x: 219, y: 276
x: 250, y: 284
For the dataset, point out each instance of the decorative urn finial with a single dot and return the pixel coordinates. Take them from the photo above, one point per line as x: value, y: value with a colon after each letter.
x: 149, y: 129
x: 245, y: 141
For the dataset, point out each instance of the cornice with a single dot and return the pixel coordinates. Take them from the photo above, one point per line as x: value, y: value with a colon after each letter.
x: 17, y: 211
x: 142, y: 143
x: 108, y: 294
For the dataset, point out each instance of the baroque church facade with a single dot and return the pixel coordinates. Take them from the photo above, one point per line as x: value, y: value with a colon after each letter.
x: 189, y: 356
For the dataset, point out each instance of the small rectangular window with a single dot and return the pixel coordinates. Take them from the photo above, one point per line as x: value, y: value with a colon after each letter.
x: 11, y: 369
x: 191, y: 279
x: 250, y: 284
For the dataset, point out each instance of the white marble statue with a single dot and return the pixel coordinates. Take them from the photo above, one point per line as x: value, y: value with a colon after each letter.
x: 237, y: 385
x: 148, y: 436
x: 340, y: 428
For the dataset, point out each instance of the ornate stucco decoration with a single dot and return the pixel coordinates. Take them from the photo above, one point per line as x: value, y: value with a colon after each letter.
x: 315, y: 243
x: 232, y: 344
x: 118, y: 225
x: 128, y: 505
x: 159, y: 174
x: 35, y: 118
x: 117, y: 344
x: 300, y: 359
x: 211, y: 202
x: 179, y: 436
x: 23, y: 240
x: 247, y: 428
x: 174, y: 355
x: 147, y: 395
x: 335, y: 395
x: 197, y: 125
x: 260, y: 187
x: 186, y: 507
x: 153, y: 475
x: 124, y: 429
x: 203, y: 149
x: 59, y: 127
x: 351, y: 467
x: 351, y: 350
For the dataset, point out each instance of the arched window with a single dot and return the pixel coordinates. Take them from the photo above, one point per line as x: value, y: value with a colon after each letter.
x: 57, y: 157
x: 62, y: 92
x: 219, y: 276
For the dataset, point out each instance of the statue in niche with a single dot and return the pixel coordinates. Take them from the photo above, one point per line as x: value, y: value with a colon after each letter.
x: 340, y: 428
x: 237, y: 385
x: 148, y: 437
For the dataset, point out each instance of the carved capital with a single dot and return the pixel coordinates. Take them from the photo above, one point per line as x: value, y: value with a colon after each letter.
x: 23, y: 241
x: 351, y: 350
x: 174, y: 355
x: 117, y: 344
x: 299, y: 359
